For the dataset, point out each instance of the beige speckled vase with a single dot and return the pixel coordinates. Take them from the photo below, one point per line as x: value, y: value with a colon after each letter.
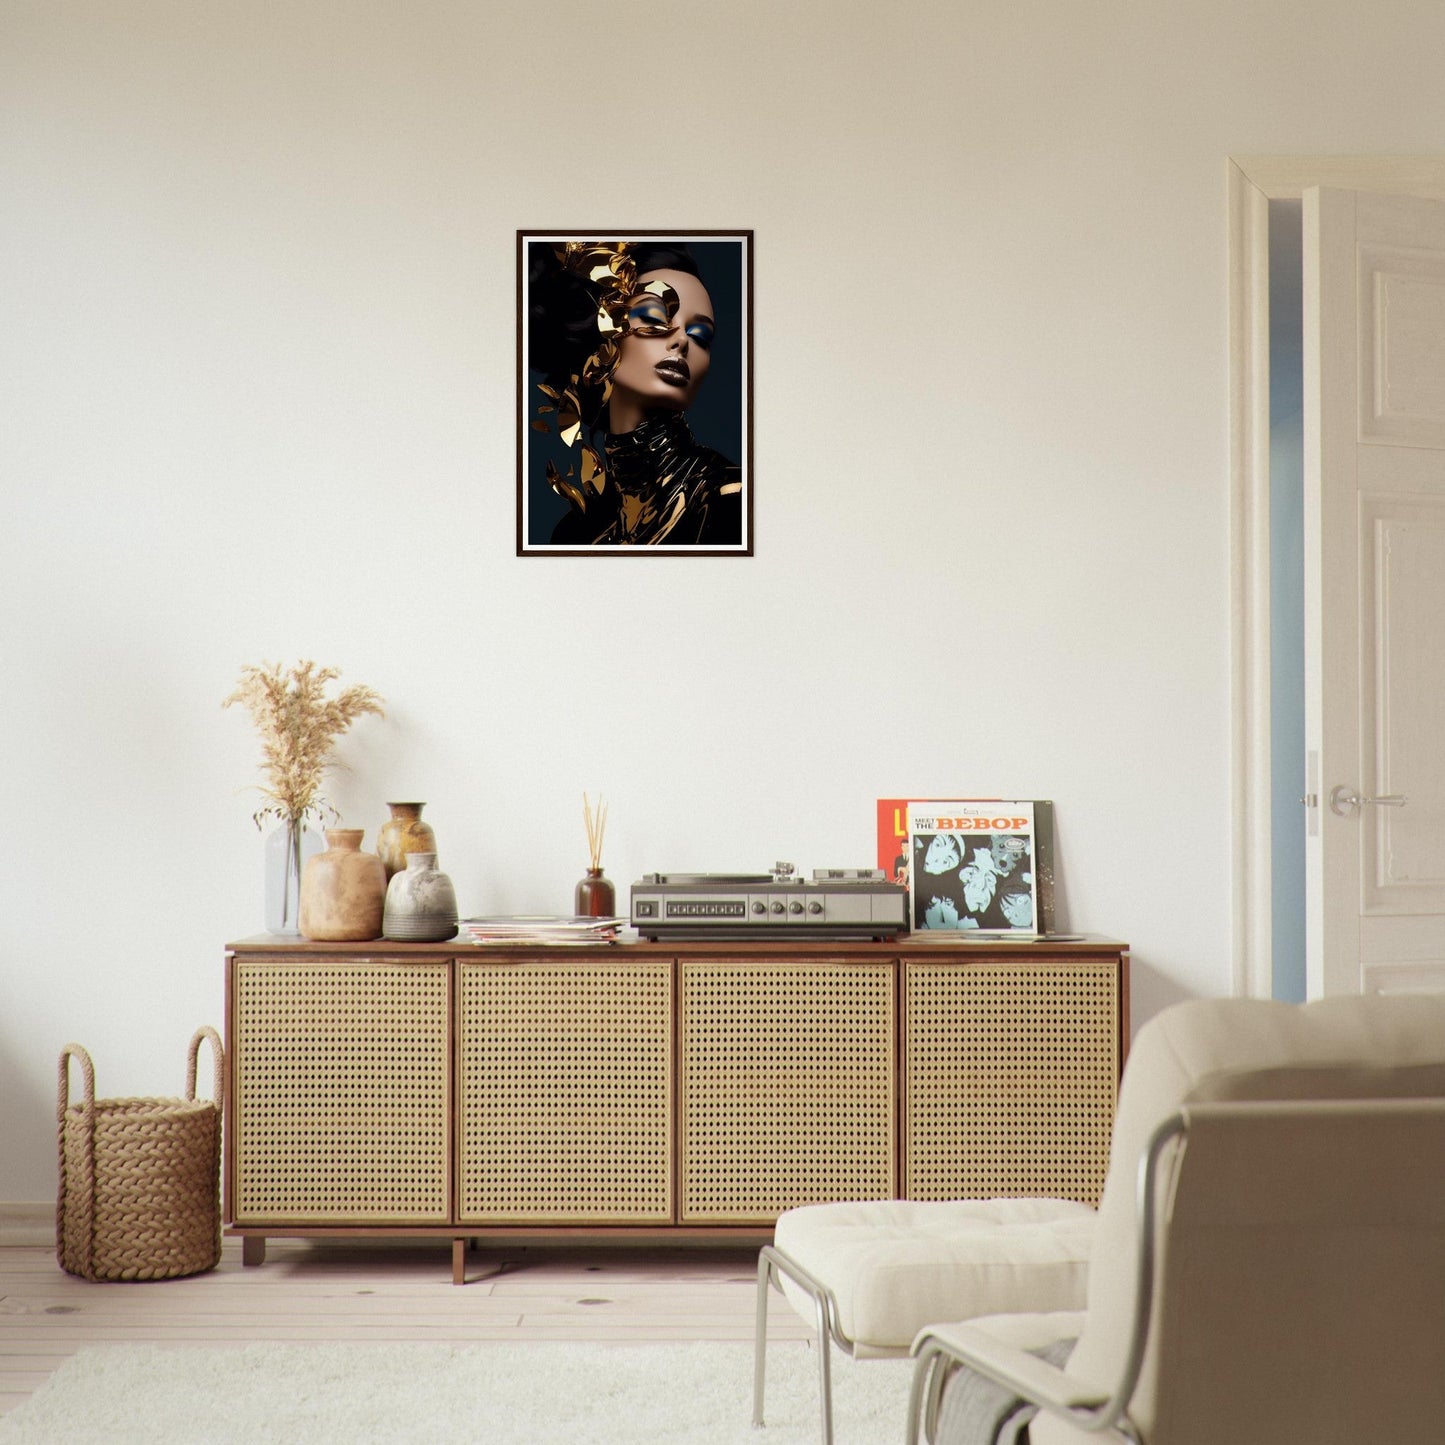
x: 343, y: 890
x: 403, y: 833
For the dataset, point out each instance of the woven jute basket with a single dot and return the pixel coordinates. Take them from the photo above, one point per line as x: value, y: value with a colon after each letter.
x: 139, y: 1178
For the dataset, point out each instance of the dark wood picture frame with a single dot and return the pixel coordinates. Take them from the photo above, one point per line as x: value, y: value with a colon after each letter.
x: 678, y: 483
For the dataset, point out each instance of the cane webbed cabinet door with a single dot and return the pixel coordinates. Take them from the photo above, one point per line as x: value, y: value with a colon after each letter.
x: 341, y: 1083
x: 1010, y: 1076
x: 787, y: 1085
x: 564, y: 1073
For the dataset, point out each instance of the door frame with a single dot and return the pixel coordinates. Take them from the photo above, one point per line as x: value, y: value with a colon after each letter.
x: 1253, y: 182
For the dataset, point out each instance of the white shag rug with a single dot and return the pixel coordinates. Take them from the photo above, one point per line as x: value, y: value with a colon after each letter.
x: 474, y: 1394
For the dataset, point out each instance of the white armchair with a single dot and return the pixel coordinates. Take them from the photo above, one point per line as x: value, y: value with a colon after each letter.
x: 1268, y: 1265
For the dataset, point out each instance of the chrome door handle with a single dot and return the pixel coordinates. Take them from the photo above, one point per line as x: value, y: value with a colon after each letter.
x: 1344, y: 799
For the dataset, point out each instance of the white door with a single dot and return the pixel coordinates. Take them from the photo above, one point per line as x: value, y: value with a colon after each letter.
x: 1374, y: 421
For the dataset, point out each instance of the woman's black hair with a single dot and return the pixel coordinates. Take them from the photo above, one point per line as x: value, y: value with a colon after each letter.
x: 664, y: 256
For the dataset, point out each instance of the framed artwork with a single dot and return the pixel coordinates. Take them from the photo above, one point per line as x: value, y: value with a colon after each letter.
x: 634, y: 393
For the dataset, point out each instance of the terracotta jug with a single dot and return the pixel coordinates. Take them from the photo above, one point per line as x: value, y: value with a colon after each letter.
x: 403, y: 833
x: 343, y: 890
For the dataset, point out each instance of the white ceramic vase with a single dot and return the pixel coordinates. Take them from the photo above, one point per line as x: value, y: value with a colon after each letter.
x: 421, y: 904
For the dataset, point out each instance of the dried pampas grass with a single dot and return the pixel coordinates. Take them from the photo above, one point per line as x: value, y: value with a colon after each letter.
x: 299, y: 726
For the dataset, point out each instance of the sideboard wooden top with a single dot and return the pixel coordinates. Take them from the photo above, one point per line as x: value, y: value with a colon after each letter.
x: 914, y: 945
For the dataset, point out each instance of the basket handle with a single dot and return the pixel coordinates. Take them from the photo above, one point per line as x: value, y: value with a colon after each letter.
x: 218, y: 1058
x: 87, y: 1070
x: 75, y: 1239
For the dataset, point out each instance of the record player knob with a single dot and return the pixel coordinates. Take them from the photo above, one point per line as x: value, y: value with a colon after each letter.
x: 777, y: 907
x: 815, y: 907
x: 759, y: 906
x: 795, y: 907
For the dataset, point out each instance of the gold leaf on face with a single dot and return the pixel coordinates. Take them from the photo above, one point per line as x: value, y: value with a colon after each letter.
x: 546, y: 390
x: 650, y: 328
x: 666, y: 295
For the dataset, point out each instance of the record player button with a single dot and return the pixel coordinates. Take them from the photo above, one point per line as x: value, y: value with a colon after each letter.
x: 777, y: 907
x: 815, y: 907
x: 759, y: 906
x: 795, y: 907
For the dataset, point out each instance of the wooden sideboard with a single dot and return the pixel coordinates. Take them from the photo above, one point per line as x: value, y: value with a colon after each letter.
x: 650, y: 1091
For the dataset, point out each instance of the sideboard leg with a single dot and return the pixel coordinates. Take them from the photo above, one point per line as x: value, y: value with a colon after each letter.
x: 459, y: 1261
x: 253, y: 1249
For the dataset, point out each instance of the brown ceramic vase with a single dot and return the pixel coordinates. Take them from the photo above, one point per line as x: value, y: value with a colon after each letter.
x: 403, y: 833
x: 594, y: 896
x: 343, y: 891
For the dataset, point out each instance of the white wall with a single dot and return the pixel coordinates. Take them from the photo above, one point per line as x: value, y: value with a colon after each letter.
x: 258, y: 392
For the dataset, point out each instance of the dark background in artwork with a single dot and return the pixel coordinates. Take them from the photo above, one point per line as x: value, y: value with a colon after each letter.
x: 716, y: 418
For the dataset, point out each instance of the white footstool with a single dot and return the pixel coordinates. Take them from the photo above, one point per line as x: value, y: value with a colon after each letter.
x: 870, y: 1275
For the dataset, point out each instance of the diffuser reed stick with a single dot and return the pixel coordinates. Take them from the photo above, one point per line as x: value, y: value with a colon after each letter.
x: 596, y: 821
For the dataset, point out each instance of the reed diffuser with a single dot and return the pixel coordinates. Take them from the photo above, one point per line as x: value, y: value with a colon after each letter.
x: 595, y: 896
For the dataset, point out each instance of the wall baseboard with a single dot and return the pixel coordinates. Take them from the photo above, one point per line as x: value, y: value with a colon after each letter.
x: 27, y: 1222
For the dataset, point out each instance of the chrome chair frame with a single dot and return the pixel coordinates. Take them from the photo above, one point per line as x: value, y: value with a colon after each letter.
x: 772, y: 1263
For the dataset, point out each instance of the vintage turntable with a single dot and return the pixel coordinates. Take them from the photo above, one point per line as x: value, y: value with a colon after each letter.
x: 836, y: 903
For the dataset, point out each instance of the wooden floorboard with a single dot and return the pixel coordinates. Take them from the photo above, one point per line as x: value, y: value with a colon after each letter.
x: 382, y: 1292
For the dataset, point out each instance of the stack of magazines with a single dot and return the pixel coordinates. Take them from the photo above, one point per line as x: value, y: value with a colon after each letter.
x: 540, y: 928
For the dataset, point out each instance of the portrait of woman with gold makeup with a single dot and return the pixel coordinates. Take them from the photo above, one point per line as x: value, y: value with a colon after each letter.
x: 634, y: 401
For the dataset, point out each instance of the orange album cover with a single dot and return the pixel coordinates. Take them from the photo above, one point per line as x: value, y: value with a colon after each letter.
x: 893, y: 839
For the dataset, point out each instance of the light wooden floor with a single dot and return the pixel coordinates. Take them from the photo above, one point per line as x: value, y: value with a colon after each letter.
x: 361, y: 1290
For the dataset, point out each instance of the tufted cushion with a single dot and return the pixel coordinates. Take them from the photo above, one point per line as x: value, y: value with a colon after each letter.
x: 896, y: 1265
